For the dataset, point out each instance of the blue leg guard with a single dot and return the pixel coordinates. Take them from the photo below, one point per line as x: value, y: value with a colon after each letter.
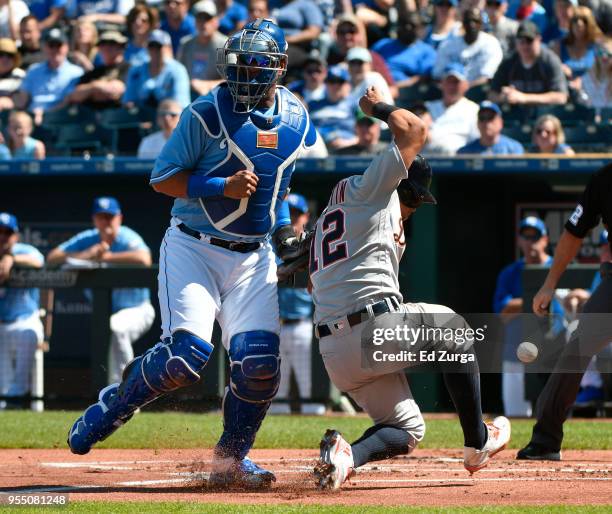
x: 254, y: 381
x: 167, y: 366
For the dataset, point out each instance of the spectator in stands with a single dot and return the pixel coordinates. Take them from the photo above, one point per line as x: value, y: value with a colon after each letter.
x: 529, y: 10
x: 491, y: 141
x: 362, y: 77
x: 177, y: 22
x: 500, y: 26
x: 11, y: 13
x: 111, y: 242
x: 532, y: 240
x: 100, y: 11
x: 577, y: 49
x: 368, y: 137
x: 198, y: 53
x: 258, y: 9
x: 168, y: 114
x: 350, y: 32
x: 334, y: 115
x: 19, y: 143
x: 479, y: 52
x: 302, y: 22
x: 46, y: 84
x: 30, y: 49
x: 454, y: 116
x: 532, y: 75
x: 232, y: 16
x: 11, y: 75
x: 141, y: 20
x: 559, y: 27
x: 21, y: 330
x: 158, y: 79
x: 445, y: 23
x: 103, y: 87
x: 548, y: 136
x: 48, y: 13
x: 312, y: 86
x: 408, y: 57
x: 84, y: 45
x: 597, y: 83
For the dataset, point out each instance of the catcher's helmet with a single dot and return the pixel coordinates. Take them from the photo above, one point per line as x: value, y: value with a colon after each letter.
x: 414, y: 191
x: 251, y: 61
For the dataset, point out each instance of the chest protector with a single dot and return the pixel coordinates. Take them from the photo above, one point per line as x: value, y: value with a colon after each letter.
x: 266, y: 145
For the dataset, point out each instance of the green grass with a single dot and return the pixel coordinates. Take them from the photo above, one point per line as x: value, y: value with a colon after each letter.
x: 216, y: 508
x: 25, y: 429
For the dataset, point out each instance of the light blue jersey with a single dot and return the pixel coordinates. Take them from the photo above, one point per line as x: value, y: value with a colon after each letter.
x: 20, y: 303
x: 294, y: 303
x: 212, y: 140
x: 127, y: 241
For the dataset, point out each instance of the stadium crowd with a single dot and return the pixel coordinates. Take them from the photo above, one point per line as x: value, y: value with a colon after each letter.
x: 490, y: 77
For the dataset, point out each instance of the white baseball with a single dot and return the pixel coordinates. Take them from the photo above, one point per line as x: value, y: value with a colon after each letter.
x: 527, y: 352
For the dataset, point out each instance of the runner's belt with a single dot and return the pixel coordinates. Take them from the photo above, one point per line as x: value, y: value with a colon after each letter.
x: 387, y: 305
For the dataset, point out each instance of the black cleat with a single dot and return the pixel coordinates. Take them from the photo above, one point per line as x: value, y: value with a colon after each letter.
x: 535, y: 451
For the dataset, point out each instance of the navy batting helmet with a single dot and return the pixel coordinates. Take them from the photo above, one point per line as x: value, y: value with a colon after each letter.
x: 414, y: 191
x: 252, y: 60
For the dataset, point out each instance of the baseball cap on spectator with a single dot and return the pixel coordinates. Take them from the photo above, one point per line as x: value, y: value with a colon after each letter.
x: 9, y: 221
x: 535, y: 223
x: 454, y: 3
x: 8, y: 46
x: 205, y: 7
x: 363, y: 119
x: 490, y: 106
x: 358, y: 54
x: 603, y: 237
x: 56, y: 35
x: 106, y: 205
x: 159, y: 37
x: 297, y: 202
x: 112, y: 36
x: 337, y: 74
x: 455, y: 69
x: 528, y: 30
x: 348, y: 18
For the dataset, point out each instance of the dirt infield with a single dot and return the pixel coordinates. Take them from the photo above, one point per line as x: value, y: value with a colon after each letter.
x: 429, y: 478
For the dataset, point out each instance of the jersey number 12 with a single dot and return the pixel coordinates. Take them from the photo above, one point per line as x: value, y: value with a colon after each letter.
x: 331, y: 248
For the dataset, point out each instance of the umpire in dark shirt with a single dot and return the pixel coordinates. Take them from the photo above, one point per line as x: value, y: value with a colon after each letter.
x: 594, y: 332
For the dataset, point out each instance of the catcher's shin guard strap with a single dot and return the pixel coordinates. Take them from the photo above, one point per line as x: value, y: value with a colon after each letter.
x: 254, y: 365
x: 175, y: 364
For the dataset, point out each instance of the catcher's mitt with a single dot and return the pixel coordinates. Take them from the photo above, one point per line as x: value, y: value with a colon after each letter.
x: 296, y: 259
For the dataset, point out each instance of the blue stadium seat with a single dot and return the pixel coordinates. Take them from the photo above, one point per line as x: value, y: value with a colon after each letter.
x: 127, y: 127
x: 82, y: 138
x: 569, y: 114
x: 71, y: 115
x: 478, y: 93
x: 589, y: 138
x: 517, y: 114
x: 418, y: 93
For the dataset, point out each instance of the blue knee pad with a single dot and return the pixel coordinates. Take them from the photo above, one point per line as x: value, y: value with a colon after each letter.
x: 167, y: 366
x: 254, y: 366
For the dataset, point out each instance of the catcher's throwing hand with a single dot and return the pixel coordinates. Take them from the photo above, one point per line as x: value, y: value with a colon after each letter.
x: 370, y: 98
x: 241, y: 184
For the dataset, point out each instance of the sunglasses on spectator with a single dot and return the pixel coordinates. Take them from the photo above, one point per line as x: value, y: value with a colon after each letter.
x: 312, y: 71
x: 347, y: 30
x: 356, y: 62
x: 335, y: 82
x: 486, y: 116
x: 526, y: 40
x: 54, y: 44
x: 543, y: 132
x: 7, y: 55
x: 6, y: 232
x: 531, y: 237
x: 172, y: 114
x: 493, y: 3
x: 444, y: 4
